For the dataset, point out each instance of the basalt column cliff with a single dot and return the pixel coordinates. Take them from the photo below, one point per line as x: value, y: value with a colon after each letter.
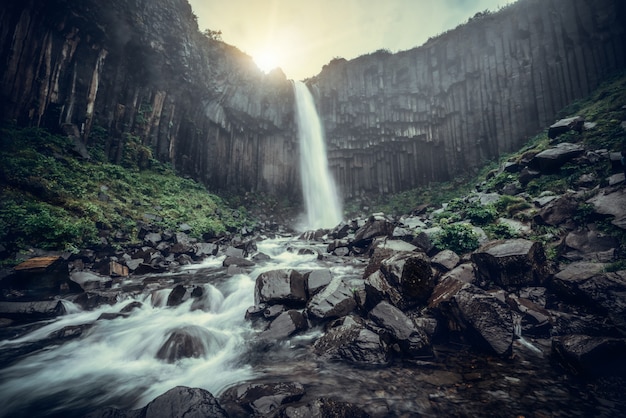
x: 123, y: 72
x: 395, y: 121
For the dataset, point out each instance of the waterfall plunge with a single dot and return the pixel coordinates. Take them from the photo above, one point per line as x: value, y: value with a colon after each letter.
x: 323, y: 207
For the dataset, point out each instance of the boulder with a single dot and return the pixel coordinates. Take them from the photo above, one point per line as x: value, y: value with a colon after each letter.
x: 558, y: 212
x: 395, y: 245
x: 373, y: 228
x: 280, y: 287
x: 237, y: 261
x: 613, y: 203
x: 249, y: 399
x: 348, y: 339
x: 592, y: 356
x: 515, y: 262
x: 484, y: 320
x: 185, y: 402
x: 450, y: 283
x: 336, y: 300
x: 401, y: 329
x: 412, y: 273
x: 90, y: 281
x: 562, y: 126
x: 316, y: 280
x: 177, y: 296
x: 31, y: 310
x: 378, y: 288
x: 323, y: 408
x: 285, y: 325
x: 566, y: 282
x: 187, y: 342
x: 552, y: 159
x: 590, y: 287
x: 446, y: 260
x: 178, y: 402
x: 152, y: 238
x: 590, y: 244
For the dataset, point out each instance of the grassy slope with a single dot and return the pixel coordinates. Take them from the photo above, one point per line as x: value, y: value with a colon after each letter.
x: 51, y: 199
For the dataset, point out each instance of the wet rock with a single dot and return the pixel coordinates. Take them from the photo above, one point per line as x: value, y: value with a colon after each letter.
x: 412, y: 340
x: 285, y: 325
x: 465, y: 273
x: 394, y: 245
x: 412, y: 274
x: 373, y: 228
x: 322, y: 408
x: 280, y: 287
x: 446, y: 260
x: 316, y: 280
x: 558, y: 212
x: 348, y: 339
x: 90, y: 281
x: 177, y: 296
x: 562, y: 126
x: 483, y: 319
x: 235, y: 252
x: 202, y: 249
x: 31, y: 310
x: 91, y: 300
x: 528, y: 174
x: 585, y: 284
x: 237, y: 261
x: 336, y: 300
x: 613, y: 203
x: 131, y: 307
x: 423, y: 242
x: 590, y: 244
x: 152, y: 238
x: 187, y: 342
x: 259, y: 398
x: 516, y: 262
x: 273, y: 311
x: 594, y: 356
x: 376, y: 258
x: 184, y: 402
x: 378, y: 288
x: 537, y: 317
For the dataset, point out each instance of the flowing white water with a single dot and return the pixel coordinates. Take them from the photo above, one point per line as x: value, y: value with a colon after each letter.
x: 114, y: 363
x: 323, y: 206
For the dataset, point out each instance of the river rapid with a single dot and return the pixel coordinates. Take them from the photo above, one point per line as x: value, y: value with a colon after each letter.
x: 113, y: 362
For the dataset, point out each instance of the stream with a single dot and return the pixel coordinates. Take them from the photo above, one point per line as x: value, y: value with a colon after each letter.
x: 113, y: 363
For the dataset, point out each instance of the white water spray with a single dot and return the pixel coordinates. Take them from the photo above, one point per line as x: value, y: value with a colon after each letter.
x: 323, y: 207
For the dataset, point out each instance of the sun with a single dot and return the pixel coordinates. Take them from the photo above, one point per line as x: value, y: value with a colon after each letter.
x: 267, y: 59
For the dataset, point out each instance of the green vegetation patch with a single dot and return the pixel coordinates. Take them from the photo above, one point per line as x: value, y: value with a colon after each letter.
x: 53, y: 200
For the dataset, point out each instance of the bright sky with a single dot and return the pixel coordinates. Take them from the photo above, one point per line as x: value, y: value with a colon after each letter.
x: 300, y: 36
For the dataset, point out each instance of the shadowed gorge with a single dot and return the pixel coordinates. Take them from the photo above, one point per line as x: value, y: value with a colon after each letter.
x: 392, y: 121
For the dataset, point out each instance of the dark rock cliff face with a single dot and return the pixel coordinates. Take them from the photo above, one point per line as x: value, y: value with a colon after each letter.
x: 141, y: 70
x: 396, y: 121
x: 136, y: 70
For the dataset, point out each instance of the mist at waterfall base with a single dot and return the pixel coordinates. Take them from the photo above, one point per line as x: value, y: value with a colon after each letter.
x: 322, y: 203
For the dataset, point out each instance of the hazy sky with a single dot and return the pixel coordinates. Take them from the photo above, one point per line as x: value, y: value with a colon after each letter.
x: 300, y: 36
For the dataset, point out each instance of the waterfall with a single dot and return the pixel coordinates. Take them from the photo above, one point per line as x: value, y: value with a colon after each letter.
x: 323, y: 207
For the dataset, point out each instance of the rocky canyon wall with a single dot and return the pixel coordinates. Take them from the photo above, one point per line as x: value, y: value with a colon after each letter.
x: 396, y: 121
x: 123, y: 73
x: 139, y: 72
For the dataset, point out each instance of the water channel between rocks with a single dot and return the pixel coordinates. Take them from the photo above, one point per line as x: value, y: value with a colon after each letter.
x: 114, y: 361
